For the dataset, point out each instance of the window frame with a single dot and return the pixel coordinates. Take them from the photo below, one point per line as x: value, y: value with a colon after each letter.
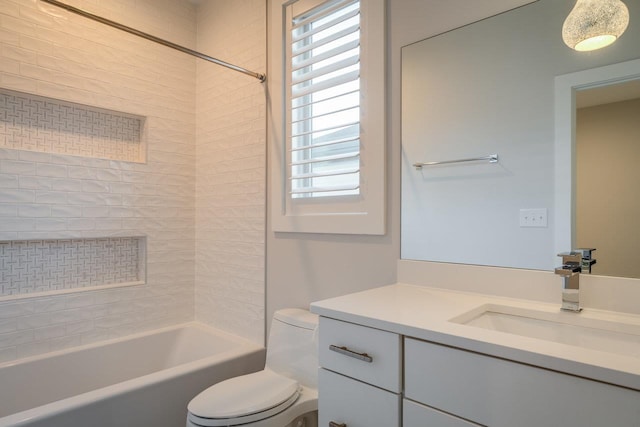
x: 350, y: 214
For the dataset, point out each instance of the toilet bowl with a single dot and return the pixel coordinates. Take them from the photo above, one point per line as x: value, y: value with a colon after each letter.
x: 283, y: 394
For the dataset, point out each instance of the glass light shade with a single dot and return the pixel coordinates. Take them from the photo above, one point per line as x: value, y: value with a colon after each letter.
x: 594, y: 24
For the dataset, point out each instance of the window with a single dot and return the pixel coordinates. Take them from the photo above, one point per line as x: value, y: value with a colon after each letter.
x: 324, y: 101
x: 328, y: 158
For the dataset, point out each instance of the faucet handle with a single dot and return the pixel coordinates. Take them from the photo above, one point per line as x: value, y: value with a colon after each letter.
x: 568, y: 269
x: 587, y: 253
x: 571, y: 257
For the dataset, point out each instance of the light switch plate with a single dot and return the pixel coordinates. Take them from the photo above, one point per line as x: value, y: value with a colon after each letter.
x: 533, y: 217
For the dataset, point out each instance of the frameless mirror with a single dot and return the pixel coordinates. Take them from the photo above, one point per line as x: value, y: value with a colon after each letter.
x: 483, y: 89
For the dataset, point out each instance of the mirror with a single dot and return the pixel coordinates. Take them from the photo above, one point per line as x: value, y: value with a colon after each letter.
x: 488, y: 88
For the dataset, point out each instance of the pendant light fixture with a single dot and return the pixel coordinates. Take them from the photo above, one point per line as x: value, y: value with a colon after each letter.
x: 594, y: 24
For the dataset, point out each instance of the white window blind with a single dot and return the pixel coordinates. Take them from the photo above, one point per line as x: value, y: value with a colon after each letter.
x: 324, y: 96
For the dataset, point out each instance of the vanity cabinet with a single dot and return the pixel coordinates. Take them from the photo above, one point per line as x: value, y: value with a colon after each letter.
x: 417, y: 415
x: 360, y: 381
x: 370, y: 378
x: 501, y: 393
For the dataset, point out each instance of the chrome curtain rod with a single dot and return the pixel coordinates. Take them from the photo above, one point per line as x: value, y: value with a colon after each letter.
x: 154, y: 39
x: 492, y: 158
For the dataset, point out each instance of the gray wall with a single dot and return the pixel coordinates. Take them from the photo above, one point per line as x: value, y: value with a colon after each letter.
x: 302, y: 268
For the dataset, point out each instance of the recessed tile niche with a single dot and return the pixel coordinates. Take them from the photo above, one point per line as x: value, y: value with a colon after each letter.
x: 36, y: 123
x: 29, y: 267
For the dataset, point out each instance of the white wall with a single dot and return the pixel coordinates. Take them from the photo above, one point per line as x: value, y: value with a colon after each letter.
x: 302, y: 268
x: 230, y: 169
x: 74, y: 59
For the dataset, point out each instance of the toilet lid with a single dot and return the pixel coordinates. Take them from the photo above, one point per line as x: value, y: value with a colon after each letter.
x: 244, y: 395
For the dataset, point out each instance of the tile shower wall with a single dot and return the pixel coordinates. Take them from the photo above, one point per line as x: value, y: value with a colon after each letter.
x: 60, y: 196
x: 230, y: 165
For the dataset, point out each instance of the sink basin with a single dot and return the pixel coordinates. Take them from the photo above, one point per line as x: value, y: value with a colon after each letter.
x: 576, y: 329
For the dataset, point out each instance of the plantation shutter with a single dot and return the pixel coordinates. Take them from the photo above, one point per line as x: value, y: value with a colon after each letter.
x: 324, y: 101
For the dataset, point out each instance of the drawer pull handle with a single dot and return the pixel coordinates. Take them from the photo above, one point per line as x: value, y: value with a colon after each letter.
x: 335, y: 424
x: 344, y: 350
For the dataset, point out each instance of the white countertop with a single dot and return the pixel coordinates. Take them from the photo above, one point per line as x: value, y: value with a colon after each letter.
x: 424, y: 313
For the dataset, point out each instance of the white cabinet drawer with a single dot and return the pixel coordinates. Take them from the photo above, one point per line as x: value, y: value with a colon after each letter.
x: 416, y: 415
x: 343, y: 400
x: 500, y: 393
x: 363, y: 353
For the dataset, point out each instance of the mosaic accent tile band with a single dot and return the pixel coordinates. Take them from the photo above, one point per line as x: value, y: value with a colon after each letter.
x: 34, y: 123
x: 48, y: 265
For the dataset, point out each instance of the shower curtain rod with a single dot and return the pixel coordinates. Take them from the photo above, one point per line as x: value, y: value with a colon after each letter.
x: 155, y: 39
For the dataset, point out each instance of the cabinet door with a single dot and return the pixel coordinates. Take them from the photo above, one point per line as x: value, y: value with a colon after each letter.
x: 343, y: 401
x: 500, y: 393
x: 366, y: 354
x: 417, y: 415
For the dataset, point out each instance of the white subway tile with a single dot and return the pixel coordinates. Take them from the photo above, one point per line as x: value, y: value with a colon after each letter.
x: 19, y: 83
x: 95, y: 212
x: 9, y: 181
x: 8, y: 210
x: 82, y: 198
x: 34, y: 211
x: 35, y: 45
x: 81, y: 172
x: 51, y: 170
x: 17, y: 167
x: 108, y: 175
x: 66, y: 184
x: 51, y: 197
x: 9, y: 37
x: 16, y: 338
x: 17, y: 196
x: 7, y: 154
x: 7, y: 325
x: 49, y: 304
x: 51, y: 224
x: 108, y: 224
x: 48, y: 332
x: 34, y: 182
x: 74, y: 328
x: 34, y: 156
x: 11, y: 224
x: 81, y: 224
x: 18, y: 54
x: 66, y: 211
x: 95, y: 187
x: 64, y: 159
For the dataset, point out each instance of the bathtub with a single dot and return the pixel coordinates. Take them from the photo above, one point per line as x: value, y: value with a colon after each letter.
x: 141, y: 380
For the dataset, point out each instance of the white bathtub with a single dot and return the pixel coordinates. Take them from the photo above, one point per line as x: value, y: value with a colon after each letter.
x: 141, y: 380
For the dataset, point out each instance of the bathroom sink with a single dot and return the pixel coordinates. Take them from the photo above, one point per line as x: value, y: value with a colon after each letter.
x: 604, y: 333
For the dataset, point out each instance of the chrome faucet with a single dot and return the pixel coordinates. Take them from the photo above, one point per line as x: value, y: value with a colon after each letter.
x: 573, y: 263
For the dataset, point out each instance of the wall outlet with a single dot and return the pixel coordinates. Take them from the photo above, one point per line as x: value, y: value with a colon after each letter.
x: 533, y: 217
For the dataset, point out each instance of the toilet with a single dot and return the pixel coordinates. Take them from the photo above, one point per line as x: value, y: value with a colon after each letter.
x: 283, y: 394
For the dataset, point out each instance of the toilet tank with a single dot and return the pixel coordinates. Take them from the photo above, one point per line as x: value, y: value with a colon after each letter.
x: 292, y: 348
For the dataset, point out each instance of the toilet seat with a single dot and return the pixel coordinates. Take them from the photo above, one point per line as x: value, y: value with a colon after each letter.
x: 244, y: 399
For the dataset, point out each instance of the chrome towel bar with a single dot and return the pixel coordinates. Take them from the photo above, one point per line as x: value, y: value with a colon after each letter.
x: 491, y: 158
